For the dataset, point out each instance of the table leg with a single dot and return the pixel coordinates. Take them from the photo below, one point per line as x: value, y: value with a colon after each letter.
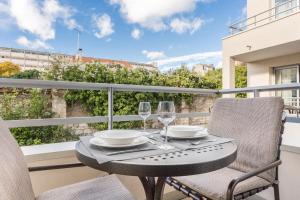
x: 154, y: 190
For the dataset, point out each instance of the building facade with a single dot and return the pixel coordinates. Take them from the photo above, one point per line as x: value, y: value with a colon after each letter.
x: 268, y: 41
x: 202, y: 69
x: 28, y: 59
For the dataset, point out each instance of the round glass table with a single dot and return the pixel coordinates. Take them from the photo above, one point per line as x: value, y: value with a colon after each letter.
x: 153, y: 170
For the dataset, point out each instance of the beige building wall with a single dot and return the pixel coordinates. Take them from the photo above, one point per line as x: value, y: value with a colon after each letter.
x: 255, y: 7
x: 274, y: 43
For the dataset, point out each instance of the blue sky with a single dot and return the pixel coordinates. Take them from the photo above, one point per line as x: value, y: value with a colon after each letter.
x: 168, y: 32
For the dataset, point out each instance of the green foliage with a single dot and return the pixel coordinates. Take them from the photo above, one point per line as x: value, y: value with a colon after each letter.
x: 241, y: 79
x: 125, y: 103
x: 31, y: 103
x: 213, y: 79
x: 28, y: 74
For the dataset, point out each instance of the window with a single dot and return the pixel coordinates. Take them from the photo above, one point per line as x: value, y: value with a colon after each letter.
x: 285, y: 75
x: 285, y: 7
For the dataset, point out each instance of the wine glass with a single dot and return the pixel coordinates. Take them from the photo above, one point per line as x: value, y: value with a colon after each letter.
x: 166, y: 114
x: 144, y: 111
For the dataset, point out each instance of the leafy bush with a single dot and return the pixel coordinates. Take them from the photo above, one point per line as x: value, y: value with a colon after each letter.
x: 125, y: 103
x: 32, y: 104
x: 28, y: 74
x: 241, y: 79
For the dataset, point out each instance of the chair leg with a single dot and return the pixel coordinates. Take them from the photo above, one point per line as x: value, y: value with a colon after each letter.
x: 276, y: 192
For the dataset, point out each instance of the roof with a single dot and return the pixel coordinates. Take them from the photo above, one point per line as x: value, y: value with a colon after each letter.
x: 83, y: 59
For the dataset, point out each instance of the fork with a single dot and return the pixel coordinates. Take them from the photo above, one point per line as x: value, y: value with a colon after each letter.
x: 129, y: 151
x: 203, y: 142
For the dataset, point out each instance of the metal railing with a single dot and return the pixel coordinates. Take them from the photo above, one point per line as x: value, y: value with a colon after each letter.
x: 292, y: 101
x: 111, y: 88
x: 265, y: 17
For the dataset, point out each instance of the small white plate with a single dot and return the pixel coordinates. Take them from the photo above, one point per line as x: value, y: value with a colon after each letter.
x: 185, y: 130
x: 101, y: 143
x: 118, y: 136
x: 199, y: 134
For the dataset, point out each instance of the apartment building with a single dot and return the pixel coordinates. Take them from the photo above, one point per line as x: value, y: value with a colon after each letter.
x: 28, y: 59
x: 202, y: 69
x: 268, y: 41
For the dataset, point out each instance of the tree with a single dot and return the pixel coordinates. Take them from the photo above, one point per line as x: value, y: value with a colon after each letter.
x: 8, y: 69
x: 241, y: 79
x: 28, y: 74
x: 213, y: 79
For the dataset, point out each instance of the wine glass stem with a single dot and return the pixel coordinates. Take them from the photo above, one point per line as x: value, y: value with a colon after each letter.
x: 144, y: 124
x: 166, y: 138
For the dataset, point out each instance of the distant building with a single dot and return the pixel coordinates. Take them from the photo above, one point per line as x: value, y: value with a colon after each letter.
x: 28, y: 59
x: 126, y: 64
x: 202, y: 69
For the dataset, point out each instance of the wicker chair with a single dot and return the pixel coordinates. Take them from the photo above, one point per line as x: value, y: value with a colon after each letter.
x: 15, y: 182
x: 256, y: 125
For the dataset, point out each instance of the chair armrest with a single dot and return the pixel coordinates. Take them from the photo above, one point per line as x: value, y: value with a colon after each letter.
x: 246, y: 176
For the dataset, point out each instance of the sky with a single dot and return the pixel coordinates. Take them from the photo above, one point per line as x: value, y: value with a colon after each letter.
x: 167, y: 32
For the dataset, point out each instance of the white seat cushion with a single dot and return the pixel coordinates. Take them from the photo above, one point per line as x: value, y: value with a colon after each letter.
x: 214, y: 184
x: 104, y: 188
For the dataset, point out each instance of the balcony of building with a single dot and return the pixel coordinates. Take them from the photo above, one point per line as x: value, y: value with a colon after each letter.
x: 265, y: 35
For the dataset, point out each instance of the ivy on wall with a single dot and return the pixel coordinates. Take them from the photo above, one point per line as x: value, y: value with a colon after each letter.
x: 34, y: 103
x: 125, y: 103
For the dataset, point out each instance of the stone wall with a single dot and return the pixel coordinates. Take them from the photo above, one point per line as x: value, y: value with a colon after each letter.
x: 200, y: 103
x: 59, y: 105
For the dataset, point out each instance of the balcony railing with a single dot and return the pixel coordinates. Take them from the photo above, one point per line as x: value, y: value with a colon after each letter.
x: 265, y: 17
x: 111, y: 88
x: 292, y: 101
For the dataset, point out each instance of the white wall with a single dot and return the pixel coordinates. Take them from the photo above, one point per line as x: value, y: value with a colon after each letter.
x: 255, y: 7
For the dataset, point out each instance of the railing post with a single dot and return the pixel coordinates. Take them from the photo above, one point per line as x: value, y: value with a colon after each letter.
x: 110, y: 108
x: 256, y: 93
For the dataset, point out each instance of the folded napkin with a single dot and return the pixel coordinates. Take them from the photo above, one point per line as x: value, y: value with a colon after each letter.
x: 102, y: 155
x: 185, y: 144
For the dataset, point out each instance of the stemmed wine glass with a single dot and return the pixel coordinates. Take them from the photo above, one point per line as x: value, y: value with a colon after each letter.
x: 166, y: 114
x: 144, y: 111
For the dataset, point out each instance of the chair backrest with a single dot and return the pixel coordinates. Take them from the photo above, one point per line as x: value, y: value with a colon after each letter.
x: 255, y: 124
x: 15, y: 182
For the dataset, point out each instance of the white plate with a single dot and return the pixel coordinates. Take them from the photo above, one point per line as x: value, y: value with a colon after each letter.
x: 101, y: 143
x: 199, y: 134
x: 118, y: 137
x: 185, y: 130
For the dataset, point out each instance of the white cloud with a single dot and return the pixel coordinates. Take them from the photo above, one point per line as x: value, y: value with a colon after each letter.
x: 136, y: 33
x: 104, y: 25
x: 151, y: 14
x: 184, y: 25
x: 220, y: 64
x: 39, y: 18
x: 36, y: 44
x: 154, y: 54
x: 213, y: 57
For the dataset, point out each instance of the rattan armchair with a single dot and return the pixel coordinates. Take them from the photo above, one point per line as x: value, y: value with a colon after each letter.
x: 257, y: 126
x: 15, y: 182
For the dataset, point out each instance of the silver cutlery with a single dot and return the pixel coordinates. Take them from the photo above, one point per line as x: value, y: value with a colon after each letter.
x: 152, y: 142
x: 203, y: 141
x: 129, y: 151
